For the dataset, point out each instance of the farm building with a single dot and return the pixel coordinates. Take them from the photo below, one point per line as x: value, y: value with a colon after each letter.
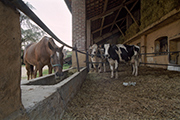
x: 153, y: 25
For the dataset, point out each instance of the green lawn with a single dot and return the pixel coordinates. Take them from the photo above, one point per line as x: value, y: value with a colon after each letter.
x: 45, y: 72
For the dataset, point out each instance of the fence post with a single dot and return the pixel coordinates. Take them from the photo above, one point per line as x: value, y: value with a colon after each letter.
x: 87, y: 60
x: 77, y: 58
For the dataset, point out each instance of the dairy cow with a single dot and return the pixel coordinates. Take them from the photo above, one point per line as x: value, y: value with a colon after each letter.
x: 97, y: 57
x: 126, y: 53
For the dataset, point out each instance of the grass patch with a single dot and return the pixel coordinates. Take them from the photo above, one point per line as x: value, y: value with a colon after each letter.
x: 46, y: 71
x: 66, y: 66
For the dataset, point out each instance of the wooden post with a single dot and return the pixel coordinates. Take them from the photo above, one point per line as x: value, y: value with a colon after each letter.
x: 87, y: 60
x: 77, y: 58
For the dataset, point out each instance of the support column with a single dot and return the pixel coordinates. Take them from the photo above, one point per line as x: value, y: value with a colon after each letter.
x: 10, y: 74
x: 143, y: 48
x: 79, y: 30
x: 88, y: 29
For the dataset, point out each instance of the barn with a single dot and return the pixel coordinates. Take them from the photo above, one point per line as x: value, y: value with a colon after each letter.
x: 153, y: 25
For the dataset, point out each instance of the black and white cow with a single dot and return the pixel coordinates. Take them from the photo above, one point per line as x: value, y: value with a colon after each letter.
x: 97, y: 56
x: 126, y: 53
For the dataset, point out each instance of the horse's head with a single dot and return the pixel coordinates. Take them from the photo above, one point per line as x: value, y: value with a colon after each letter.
x: 56, y: 60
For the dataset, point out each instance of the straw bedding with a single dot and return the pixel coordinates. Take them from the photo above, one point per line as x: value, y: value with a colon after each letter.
x: 156, y: 95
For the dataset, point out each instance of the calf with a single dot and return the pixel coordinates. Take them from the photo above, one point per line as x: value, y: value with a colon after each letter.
x: 126, y: 53
x: 97, y: 57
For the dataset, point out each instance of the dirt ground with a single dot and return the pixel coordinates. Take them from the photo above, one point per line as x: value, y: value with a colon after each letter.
x: 156, y: 95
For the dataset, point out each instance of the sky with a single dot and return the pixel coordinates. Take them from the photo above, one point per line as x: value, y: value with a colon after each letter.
x: 57, y: 17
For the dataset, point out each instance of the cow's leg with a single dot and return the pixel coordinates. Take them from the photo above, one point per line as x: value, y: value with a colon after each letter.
x: 133, y: 68
x: 116, y: 69
x: 104, y: 65
x: 94, y: 67
x: 99, y: 67
x: 111, y: 64
x: 136, y: 67
x: 112, y: 70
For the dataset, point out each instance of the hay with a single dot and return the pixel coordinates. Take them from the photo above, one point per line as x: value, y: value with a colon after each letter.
x: 155, y: 96
x: 153, y: 10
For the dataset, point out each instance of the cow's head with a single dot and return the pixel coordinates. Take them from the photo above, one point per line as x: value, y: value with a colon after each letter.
x: 94, y: 49
x: 101, y: 50
x: 106, y: 49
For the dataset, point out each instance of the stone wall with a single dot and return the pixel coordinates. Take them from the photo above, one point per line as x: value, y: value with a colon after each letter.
x: 10, y: 65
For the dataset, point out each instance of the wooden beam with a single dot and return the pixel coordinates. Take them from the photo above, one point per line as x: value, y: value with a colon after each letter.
x: 101, y: 28
x: 131, y: 16
x: 102, y: 22
x: 120, y: 30
x: 107, y: 25
x: 111, y: 10
x: 134, y: 5
x: 105, y: 5
x: 105, y: 36
x: 114, y: 21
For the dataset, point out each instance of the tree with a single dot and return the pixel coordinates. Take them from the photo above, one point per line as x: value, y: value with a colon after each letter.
x: 30, y: 32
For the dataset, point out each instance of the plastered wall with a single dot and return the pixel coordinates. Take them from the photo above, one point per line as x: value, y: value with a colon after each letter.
x: 10, y: 65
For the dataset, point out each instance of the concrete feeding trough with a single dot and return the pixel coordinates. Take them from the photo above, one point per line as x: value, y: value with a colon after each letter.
x: 46, y: 98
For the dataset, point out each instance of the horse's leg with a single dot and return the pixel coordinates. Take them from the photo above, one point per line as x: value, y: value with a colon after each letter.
x: 35, y: 71
x: 28, y: 70
x: 28, y: 73
x: 40, y: 72
x: 31, y: 71
x: 50, y: 68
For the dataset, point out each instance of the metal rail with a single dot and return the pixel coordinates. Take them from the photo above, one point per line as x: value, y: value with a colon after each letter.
x: 161, y: 64
x: 160, y: 52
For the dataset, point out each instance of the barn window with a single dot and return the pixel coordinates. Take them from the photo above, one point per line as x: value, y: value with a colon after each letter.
x: 161, y: 45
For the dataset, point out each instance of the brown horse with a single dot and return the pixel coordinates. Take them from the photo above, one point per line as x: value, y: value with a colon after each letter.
x: 45, y: 52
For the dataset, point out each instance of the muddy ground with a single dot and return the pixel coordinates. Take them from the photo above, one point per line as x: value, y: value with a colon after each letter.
x: 156, y: 95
